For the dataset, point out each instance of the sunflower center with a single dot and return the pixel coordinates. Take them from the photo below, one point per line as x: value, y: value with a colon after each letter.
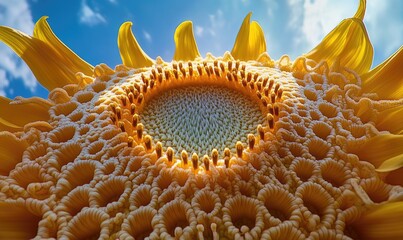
x: 200, y: 118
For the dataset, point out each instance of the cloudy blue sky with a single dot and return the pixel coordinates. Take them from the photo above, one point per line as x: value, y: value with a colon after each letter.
x: 90, y: 28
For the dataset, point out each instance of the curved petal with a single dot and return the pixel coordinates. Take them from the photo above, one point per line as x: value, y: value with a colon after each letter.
x: 387, y: 78
x: 380, y: 149
x: 384, y: 221
x: 43, y: 32
x: 250, y: 41
x: 391, y: 120
x: 11, y: 150
x: 49, y: 68
x: 15, y: 114
x: 361, y: 10
x: 130, y: 51
x: 185, y: 43
x: 348, y: 43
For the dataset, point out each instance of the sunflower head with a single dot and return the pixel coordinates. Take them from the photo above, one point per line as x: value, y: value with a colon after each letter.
x: 235, y: 147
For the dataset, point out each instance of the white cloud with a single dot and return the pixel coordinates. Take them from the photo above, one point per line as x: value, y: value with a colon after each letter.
x: 90, y: 16
x: 313, y: 19
x: 199, y: 31
x: 147, y: 36
x: 15, y: 14
x: 385, y: 26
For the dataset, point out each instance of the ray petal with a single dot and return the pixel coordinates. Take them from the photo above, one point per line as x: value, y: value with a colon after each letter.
x: 14, y: 114
x: 185, y: 43
x: 380, y: 149
x: 49, y: 68
x: 347, y: 43
x: 390, y: 120
x: 250, y: 41
x: 130, y: 51
x: 382, y: 222
x: 43, y: 32
x: 361, y: 10
x: 385, y: 152
x: 387, y: 78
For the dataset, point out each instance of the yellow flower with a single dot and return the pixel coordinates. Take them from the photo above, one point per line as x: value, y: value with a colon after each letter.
x: 233, y: 147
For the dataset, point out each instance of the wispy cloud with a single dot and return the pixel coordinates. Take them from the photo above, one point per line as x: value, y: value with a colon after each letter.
x: 384, y: 23
x: 313, y: 19
x: 89, y: 16
x: 147, y: 36
x: 199, y: 31
x: 15, y: 14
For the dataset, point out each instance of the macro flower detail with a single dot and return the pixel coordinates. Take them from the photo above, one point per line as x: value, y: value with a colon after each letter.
x: 233, y: 147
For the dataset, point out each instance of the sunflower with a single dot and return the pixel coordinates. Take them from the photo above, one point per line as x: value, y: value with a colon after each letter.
x: 234, y: 147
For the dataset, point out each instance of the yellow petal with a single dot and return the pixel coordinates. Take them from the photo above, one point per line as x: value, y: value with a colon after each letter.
x: 185, y: 43
x: 384, y: 221
x: 11, y: 150
x: 391, y: 164
x: 43, y: 32
x: 15, y: 114
x: 379, y: 149
x: 250, y: 41
x: 391, y: 120
x: 49, y: 68
x: 361, y: 10
x: 130, y: 51
x: 347, y: 43
x: 387, y: 78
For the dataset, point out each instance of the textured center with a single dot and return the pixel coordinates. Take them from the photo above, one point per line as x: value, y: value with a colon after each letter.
x: 201, y: 118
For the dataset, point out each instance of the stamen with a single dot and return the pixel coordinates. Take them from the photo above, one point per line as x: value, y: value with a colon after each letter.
x: 118, y: 113
x: 167, y: 74
x: 140, y: 98
x: 135, y: 120
x: 270, y: 120
x: 184, y: 156
x: 158, y: 149
x: 130, y: 141
x: 249, y: 76
x: 199, y: 70
x: 195, y: 161
x: 176, y: 74
x: 260, y: 130
x: 279, y: 94
x: 222, y: 67
x: 206, y: 162
x: 170, y: 154
x: 239, y: 149
x: 140, y: 129
x: 229, y: 65
x: 148, y: 142
x: 122, y: 126
x: 276, y: 109
x: 227, y: 152
x: 251, y: 141
x: 273, y: 97
x: 214, y: 156
x: 131, y: 97
x: 229, y: 76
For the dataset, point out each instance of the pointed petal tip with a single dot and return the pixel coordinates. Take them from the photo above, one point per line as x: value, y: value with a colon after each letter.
x: 131, y: 53
x: 250, y: 41
x: 361, y: 10
x: 185, y: 43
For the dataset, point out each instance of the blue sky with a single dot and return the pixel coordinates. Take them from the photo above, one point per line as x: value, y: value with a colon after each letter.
x: 90, y: 28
